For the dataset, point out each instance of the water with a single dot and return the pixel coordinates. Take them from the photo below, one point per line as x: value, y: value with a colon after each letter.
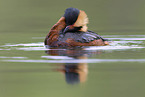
x: 28, y: 69
x: 62, y: 55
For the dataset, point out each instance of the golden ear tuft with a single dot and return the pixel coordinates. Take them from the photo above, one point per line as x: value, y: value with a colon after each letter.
x: 82, y: 19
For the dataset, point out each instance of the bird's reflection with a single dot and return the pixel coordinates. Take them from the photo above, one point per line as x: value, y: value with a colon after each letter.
x: 74, y: 72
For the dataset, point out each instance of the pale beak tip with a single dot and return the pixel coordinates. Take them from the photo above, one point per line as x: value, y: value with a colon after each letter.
x: 66, y: 29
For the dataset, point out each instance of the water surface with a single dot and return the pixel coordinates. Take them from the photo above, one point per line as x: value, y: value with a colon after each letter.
x: 32, y: 68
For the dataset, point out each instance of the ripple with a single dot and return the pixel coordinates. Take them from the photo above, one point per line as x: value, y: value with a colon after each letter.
x: 112, y: 48
x: 4, y: 49
x: 123, y: 35
x: 36, y: 49
x: 3, y: 57
x: 127, y: 38
x: 78, y: 61
x: 120, y: 44
x: 25, y: 44
x: 33, y: 49
x: 57, y: 57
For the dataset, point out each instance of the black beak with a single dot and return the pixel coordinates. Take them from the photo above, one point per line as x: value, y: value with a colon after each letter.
x: 66, y: 29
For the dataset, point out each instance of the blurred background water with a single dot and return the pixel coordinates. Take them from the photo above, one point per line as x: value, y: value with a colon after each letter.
x: 28, y: 69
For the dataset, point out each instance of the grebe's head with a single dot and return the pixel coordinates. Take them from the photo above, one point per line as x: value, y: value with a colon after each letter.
x: 75, y: 19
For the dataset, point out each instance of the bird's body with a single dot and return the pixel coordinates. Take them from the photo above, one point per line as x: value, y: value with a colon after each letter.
x: 71, y: 31
x: 81, y: 38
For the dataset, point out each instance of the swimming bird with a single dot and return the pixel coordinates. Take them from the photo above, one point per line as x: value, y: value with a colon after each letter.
x: 71, y: 30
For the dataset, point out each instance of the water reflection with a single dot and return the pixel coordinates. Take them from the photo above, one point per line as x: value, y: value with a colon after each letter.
x: 74, y: 72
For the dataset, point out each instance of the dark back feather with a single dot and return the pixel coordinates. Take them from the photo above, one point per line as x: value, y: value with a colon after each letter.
x: 83, y: 37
